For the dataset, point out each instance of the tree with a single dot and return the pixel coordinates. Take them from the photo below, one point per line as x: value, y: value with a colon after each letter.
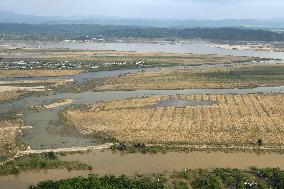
x: 259, y: 142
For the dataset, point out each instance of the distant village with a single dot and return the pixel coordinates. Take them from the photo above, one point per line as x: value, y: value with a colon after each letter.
x: 62, y: 65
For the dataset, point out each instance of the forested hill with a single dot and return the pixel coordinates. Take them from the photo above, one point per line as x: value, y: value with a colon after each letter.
x: 83, y: 32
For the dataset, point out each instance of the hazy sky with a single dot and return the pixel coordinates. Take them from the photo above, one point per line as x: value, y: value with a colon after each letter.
x: 175, y: 9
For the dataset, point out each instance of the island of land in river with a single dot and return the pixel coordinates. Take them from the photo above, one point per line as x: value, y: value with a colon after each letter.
x: 234, y: 76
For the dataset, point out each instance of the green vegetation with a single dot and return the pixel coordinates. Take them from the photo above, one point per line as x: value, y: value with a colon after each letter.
x: 40, y: 161
x: 87, y: 32
x: 274, y: 176
x: 227, y: 178
x: 198, y: 179
x: 138, y: 147
x: 106, y: 182
x: 256, y: 73
x: 237, y: 76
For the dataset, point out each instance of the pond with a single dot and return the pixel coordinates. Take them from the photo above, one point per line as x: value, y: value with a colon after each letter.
x: 184, y: 103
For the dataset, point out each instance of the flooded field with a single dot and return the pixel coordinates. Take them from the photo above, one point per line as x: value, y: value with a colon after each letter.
x: 184, y: 103
x: 237, y: 120
x: 46, y: 130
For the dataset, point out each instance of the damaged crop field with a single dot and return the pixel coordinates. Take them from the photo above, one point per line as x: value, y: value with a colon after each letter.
x: 240, y: 76
x: 237, y: 120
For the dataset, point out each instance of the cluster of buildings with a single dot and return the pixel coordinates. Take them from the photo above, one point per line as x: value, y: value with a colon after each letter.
x: 60, y: 65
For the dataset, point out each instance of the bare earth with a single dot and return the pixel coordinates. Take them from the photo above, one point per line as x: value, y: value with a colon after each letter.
x: 36, y: 73
x: 235, y: 120
x: 9, y: 130
x: 5, y: 96
x: 55, y: 104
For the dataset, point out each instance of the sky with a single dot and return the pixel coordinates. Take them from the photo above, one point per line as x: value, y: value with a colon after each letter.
x: 160, y: 9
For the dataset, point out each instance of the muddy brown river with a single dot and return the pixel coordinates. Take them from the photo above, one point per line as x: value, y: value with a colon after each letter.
x: 117, y: 163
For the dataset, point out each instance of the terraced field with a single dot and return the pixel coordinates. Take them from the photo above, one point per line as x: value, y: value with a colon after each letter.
x: 232, y: 120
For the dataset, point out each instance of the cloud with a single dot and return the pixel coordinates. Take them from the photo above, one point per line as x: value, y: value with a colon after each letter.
x: 178, y: 9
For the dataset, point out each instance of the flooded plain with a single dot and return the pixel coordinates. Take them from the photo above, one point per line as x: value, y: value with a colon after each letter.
x: 48, y: 132
x: 197, y: 47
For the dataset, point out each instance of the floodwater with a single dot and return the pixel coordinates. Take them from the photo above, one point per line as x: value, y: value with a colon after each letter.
x: 48, y: 132
x: 117, y: 163
x: 197, y: 47
x: 24, y: 180
x: 108, y: 162
x: 184, y: 103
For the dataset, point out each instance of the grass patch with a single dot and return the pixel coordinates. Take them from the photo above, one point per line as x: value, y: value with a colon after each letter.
x: 40, y: 161
x: 106, y: 182
x: 196, y: 179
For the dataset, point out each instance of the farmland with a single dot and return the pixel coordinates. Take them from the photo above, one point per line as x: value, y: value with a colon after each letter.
x: 239, y: 76
x: 61, y: 60
x: 239, y: 120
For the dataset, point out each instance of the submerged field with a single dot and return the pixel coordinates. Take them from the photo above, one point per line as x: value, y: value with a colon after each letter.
x: 239, y: 120
x: 240, y: 76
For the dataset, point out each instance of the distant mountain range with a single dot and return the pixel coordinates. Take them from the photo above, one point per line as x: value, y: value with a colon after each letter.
x: 11, y: 17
